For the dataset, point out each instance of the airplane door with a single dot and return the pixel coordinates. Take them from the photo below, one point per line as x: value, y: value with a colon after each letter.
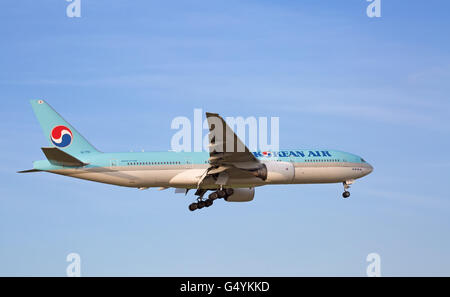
x: 113, y: 163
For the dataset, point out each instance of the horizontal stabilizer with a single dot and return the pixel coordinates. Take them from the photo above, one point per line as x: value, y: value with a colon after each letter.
x: 59, y: 158
x: 29, y: 171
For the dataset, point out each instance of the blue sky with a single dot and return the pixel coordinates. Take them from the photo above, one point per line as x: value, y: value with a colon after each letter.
x: 336, y: 78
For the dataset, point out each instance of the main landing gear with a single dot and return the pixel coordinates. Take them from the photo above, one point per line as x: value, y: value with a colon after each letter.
x: 201, y: 203
x: 347, y: 185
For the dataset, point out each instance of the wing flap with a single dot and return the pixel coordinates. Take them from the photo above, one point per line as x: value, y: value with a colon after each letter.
x: 219, y: 170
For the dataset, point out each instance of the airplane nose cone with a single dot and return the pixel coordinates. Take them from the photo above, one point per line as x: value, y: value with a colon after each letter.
x: 369, y: 169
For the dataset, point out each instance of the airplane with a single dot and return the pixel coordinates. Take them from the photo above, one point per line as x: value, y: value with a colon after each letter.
x: 229, y: 170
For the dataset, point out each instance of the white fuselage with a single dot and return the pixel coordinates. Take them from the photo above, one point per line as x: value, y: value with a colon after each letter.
x: 188, y: 176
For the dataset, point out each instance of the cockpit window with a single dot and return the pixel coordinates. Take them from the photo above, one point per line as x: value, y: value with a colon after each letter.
x: 362, y: 160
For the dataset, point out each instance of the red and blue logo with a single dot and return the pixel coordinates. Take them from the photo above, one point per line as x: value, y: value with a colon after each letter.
x: 61, y: 136
x: 267, y: 154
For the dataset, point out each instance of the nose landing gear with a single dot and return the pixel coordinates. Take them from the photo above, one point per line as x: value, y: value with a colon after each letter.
x: 347, y: 185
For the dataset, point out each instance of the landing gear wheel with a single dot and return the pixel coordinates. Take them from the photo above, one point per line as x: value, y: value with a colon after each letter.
x: 209, y: 203
x: 193, y: 207
x: 229, y: 192
x: 214, y: 196
x: 201, y: 204
x: 346, y: 194
x: 221, y: 193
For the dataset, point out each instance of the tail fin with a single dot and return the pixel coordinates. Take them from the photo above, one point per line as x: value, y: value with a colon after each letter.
x: 60, y: 133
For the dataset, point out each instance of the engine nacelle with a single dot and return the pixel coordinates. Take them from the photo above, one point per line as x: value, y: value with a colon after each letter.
x: 276, y: 172
x: 280, y: 172
x: 242, y: 195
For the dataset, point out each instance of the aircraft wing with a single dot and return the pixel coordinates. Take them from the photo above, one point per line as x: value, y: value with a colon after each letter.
x: 224, y: 145
x: 229, y: 156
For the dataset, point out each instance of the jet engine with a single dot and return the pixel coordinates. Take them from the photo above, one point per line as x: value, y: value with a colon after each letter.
x: 242, y: 195
x: 275, y: 172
